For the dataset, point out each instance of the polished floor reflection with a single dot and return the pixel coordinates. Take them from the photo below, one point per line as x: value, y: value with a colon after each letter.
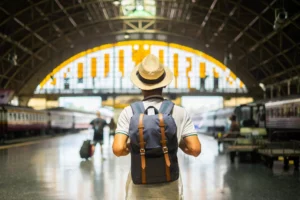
x: 52, y: 169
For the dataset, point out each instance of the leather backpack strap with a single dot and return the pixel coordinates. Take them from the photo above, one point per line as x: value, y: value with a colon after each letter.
x: 142, y: 148
x: 164, y: 146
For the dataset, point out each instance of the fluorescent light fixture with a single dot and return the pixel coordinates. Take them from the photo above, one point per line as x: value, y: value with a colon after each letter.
x: 126, y: 36
x: 140, y: 7
x: 116, y: 3
x: 262, y: 86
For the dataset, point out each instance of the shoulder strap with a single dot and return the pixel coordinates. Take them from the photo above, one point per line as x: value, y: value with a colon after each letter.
x: 166, y: 107
x: 137, y: 107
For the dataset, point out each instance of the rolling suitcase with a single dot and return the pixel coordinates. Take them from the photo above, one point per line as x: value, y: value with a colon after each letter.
x: 87, y: 149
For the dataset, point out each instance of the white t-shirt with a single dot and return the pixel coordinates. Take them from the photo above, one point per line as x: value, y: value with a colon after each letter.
x: 163, y: 191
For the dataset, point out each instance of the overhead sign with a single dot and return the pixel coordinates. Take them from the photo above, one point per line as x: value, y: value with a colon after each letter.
x: 109, y: 66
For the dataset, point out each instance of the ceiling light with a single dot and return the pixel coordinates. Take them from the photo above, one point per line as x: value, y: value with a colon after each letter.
x: 262, y: 86
x: 140, y: 8
x: 126, y: 36
x: 207, y: 45
x: 136, y: 47
x: 116, y: 3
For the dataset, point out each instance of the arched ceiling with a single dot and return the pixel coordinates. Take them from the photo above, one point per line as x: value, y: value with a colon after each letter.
x: 43, y: 33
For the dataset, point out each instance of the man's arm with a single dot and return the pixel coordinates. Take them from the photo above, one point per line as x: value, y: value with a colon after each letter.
x: 120, y: 145
x: 191, y: 145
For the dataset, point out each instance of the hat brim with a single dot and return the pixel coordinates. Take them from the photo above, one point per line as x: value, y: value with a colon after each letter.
x: 144, y: 86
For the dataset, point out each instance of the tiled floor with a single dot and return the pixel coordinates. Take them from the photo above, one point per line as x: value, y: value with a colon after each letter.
x: 52, y: 169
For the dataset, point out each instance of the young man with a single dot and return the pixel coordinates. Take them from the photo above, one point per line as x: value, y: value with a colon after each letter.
x: 98, y: 125
x: 151, y: 77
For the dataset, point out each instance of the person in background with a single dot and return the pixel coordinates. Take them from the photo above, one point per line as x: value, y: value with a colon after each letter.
x: 234, y: 128
x: 98, y: 125
x: 112, y: 128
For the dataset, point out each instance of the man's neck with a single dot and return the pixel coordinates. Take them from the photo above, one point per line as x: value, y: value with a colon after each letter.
x: 150, y: 95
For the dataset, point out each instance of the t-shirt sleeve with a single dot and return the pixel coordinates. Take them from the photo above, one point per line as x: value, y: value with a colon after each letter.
x: 188, y: 128
x: 92, y: 122
x: 123, y: 123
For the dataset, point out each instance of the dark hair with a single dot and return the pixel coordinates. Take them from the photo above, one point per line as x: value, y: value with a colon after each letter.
x: 232, y: 117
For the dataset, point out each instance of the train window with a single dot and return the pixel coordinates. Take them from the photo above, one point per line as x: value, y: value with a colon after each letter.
x: 296, y: 111
x: 291, y: 111
x: 271, y: 113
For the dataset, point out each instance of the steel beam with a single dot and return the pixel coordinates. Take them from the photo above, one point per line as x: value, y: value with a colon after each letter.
x: 221, y: 27
x: 70, y: 18
x: 281, y: 73
x: 273, y: 57
x: 54, y: 26
x: 236, y: 38
x: 268, y: 37
x: 20, y: 46
x: 206, y: 18
x: 31, y: 31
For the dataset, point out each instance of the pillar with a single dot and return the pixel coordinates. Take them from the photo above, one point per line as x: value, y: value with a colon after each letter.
x: 271, y: 90
x: 279, y: 91
x: 289, y: 88
x: 23, y: 100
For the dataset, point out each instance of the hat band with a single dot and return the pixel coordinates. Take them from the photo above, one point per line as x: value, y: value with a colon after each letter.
x: 154, y: 81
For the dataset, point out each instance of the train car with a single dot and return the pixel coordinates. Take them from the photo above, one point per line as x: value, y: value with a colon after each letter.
x: 204, y: 122
x: 222, y: 122
x: 59, y: 119
x: 82, y: 119
x: 16, y: 121
x: 214, y: 122
x: 63, y: 119
x: 283, y: 118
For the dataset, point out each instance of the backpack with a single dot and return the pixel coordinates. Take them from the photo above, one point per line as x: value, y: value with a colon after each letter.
x: 153, y: 144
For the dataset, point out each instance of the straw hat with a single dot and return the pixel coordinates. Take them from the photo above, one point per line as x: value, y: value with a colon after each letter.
x: 150, y: 74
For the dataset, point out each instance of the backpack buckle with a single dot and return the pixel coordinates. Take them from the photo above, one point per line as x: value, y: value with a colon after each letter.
x: 165, y: 150
x: 142, y: 152
x: 141, y: 126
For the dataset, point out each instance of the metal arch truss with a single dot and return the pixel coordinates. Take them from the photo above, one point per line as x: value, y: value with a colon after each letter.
x: 154, y: 25
x: 177, y: 25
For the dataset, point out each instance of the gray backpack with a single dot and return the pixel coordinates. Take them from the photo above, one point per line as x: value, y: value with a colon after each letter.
x: 153, y: 144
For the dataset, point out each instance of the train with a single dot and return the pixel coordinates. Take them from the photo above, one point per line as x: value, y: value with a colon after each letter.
x: 281, y: 118
x: 217, y: 121
x: 18, y: 121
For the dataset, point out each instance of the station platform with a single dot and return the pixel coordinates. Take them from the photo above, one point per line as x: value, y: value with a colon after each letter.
x: 52, y: 169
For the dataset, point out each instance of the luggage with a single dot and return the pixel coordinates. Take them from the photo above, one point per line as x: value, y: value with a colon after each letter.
x: 153, y: 144
x: 87, y: 149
